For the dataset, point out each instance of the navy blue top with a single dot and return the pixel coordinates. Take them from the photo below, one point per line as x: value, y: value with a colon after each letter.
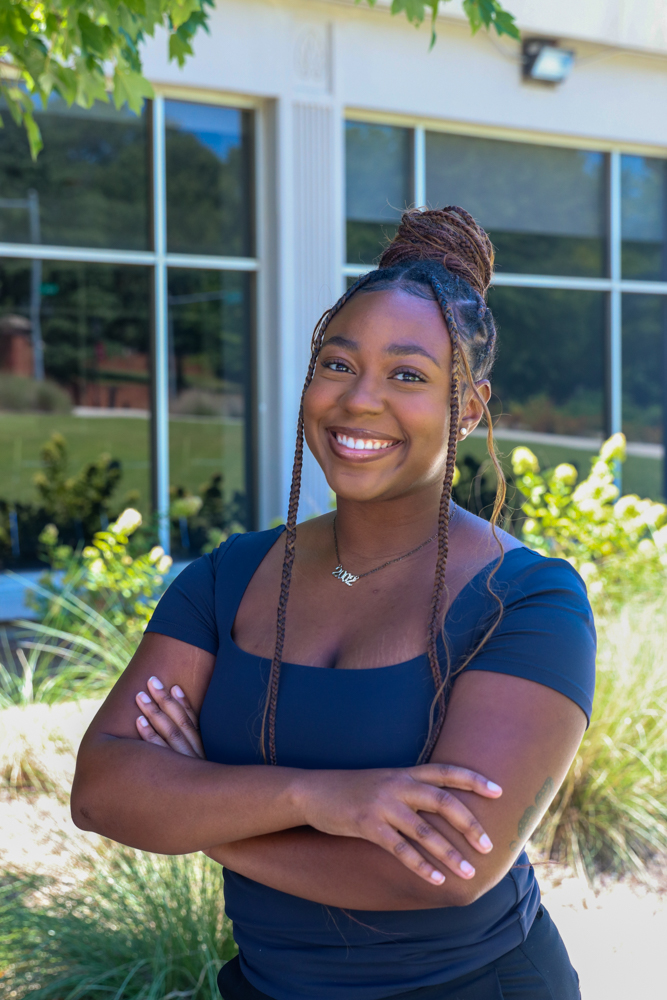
x: 291, y: 947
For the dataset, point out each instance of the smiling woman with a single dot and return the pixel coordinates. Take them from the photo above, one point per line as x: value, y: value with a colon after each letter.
x: 416, y: 732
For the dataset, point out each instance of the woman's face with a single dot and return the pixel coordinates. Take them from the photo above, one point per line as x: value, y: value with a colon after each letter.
x: 377, y: 411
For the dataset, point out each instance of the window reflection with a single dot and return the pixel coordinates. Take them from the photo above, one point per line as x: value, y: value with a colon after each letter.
x: 95, y: 395
x: 644, y: 359
x: 87, y: 188
x: 378, y: 178
x: 209, y: 179
x: 643, y: 217
x: 542, y: 206
x: 209, y: 335
x: 549, y: 376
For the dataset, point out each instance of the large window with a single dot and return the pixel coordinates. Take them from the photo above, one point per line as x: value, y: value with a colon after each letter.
x: 581, y: 278
x: 125, y: 344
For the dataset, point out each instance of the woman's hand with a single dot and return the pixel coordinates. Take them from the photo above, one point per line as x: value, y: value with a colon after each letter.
x: 168, y: 719
x: 387, y: 806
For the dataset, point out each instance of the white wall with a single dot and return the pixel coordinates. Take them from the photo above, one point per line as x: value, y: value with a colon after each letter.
x: 307, y: 61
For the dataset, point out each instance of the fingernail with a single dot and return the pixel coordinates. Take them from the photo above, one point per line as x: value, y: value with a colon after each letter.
x: 437, y: 877
x: 156, y: 683
x: 493, y: 787
x: 144, y: 697
x: 485, y: 842
x: 177, y: 691
x: 143, y: 721
x: 467, y: 868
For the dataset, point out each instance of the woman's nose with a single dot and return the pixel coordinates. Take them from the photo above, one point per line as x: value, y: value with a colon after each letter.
x: 364, y: 396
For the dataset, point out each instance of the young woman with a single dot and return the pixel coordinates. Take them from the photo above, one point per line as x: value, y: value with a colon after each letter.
x: 369, y: 800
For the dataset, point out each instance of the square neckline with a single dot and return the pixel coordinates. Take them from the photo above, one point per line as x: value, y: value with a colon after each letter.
x: 357, y: 670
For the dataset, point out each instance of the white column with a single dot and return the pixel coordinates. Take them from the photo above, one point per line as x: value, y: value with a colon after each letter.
x: 309, y: 214
x: 317, y: 265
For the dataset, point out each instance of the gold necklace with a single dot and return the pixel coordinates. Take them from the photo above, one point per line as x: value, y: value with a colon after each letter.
x: 349, y: 578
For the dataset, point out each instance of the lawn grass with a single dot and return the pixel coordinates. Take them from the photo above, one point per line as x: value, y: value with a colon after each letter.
x: 199, y: 447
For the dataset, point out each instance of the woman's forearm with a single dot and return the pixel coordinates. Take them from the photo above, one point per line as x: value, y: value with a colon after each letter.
x: 154, y: 799
x: 339, y: 871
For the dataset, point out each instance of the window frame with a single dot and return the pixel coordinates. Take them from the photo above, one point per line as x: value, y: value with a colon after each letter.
x: 613, y: 284
x: 158, y: 259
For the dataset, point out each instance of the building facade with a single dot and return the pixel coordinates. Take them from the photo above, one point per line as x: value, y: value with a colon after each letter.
x: 160, y: 276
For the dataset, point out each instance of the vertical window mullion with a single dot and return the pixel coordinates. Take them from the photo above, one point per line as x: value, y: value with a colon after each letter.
x: 614, y: 331
x: 419, y: 166
x: 160, y: 402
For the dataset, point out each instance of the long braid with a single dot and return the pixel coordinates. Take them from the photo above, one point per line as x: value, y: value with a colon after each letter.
x: 440, y: 683
x: 271, y: 703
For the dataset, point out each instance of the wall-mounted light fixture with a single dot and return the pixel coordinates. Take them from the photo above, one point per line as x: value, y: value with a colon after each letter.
x: 544, y: 61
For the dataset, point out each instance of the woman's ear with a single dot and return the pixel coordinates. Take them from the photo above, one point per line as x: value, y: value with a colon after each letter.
x: 472, y: 409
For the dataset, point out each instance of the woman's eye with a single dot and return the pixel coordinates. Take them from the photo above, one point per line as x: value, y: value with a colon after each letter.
x: 336, y: 366
x: 409, y: 376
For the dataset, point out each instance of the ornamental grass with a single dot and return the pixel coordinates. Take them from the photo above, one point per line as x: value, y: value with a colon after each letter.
x: 610, y: 815
x: 135, y: 927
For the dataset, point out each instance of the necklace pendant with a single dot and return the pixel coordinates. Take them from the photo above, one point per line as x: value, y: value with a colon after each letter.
x: 342, y: 574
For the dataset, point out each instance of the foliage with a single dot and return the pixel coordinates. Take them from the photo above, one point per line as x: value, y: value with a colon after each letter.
x: 75, y: 504
x: 21, y: 394
x: 480, y: 13
x: 100, y: 936
x: 122, y: 588
x: 201, y: 522
x: 67, y: 48
x: 616, y: 544
x: 611, y: 812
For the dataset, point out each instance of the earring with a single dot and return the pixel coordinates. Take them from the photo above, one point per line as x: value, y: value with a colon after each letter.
x: 463, y: 431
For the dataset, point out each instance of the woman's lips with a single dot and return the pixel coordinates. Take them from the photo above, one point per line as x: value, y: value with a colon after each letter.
x: 361, y: 448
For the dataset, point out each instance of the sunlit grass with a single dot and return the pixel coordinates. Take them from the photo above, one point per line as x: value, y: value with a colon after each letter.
x: 137, y: 927
x: 611, y: 812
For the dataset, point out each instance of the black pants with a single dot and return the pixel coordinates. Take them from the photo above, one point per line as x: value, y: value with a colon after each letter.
x: 539, y: 969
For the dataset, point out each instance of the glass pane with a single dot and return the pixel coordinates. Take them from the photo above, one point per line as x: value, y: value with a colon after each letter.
x: 378, y: 179
x: 549, y: 377
x: 542, y: 206
x: 209, y: 335
x: 644, y: 358
x: 93, y: 321
x: 643, y: 217
x: 89, y: 185
x: 209, y: 180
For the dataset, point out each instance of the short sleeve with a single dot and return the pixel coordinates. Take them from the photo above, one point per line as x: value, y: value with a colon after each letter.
x: 546, y: 633
x: 186, y: 610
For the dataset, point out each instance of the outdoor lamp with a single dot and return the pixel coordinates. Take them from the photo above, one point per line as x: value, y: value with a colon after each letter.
x: 543, y: 60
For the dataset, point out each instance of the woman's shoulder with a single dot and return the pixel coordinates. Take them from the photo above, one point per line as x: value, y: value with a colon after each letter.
x: 245, y: 546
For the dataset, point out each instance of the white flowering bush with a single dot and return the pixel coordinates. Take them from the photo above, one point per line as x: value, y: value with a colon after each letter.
x: 122, y: 587
x: 615, y: 542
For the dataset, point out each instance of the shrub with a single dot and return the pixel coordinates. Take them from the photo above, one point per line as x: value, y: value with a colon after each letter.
x: 22, y: 394
x: 618, y: 545
x: 121, y: 588
x: 137, y: 927
x: 76, y: 503
x: 611, y: 812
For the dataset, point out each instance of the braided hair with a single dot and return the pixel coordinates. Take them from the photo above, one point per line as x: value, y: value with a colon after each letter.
x: 443, y: 255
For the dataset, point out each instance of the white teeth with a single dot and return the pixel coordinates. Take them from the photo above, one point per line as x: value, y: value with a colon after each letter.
x: 362, y: 444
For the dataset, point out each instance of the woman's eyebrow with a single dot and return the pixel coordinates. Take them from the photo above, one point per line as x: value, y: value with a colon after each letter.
x: 403, y: 349
x: 400, y: 350
x: 340, y: 341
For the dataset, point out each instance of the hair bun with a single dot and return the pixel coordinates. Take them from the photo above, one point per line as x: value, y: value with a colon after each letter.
x: 449, y: 235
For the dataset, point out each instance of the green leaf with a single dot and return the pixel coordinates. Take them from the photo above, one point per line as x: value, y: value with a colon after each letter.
x: 179, y: 47
x: 35, y: 140
x: 130, y: 88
